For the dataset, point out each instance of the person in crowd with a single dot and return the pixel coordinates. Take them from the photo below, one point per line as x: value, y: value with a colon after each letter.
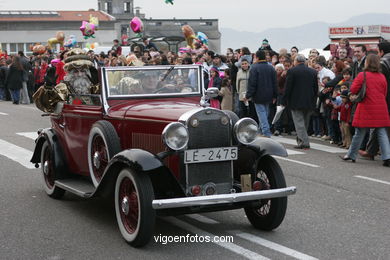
x: 262, y: 89
x: 372, y: 112
x: 294, y: 52
x: 209, y: 57
x: 116, y: 47
x: 300, y: 96
x: 226, y: 94
x: 246, y: 109
x: 229, y: 53
x: 345, y: 116
x: 219, y: 64
x: 323, y: 71
x: 3, y: 78
x: 149, y: 45
x: 343, y: 44
x: 333, y: 104
x: 26, y: 70
x: 313, y: 55
x: 360, y: 52
x: 342, y: 53
x: 265, y: 46
x: 245, y: 54
x: 281, y: 79
x: 373, y: 145
x: 215, y: 82
x: 15, y: 79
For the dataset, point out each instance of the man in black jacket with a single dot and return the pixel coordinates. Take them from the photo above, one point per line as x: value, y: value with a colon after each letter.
x: 360, y: 52
x: 262, y: 89
x: 300, y: 96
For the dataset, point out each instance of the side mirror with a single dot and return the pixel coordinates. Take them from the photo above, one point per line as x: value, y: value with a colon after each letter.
x: 212, y: 92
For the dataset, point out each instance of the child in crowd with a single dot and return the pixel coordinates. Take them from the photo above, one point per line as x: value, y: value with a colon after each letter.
x: 345, y: 117
x: 226, y: 94
x: 214, y: 82
x: 334, y: 103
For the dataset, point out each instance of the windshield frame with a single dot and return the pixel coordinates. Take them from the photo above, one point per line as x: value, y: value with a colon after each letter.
x: 105, y: 84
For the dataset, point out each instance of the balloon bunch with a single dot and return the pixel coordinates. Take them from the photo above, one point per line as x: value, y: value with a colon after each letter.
x: 195, y: 42
x: 137, y: 26
x: 91, y: 46
x: 59, y: 39
x: 71, y: 42
x: 88, y: 28
x: 169, y: 2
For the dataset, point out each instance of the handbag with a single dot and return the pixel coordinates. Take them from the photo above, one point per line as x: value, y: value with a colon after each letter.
x: 359, y: 97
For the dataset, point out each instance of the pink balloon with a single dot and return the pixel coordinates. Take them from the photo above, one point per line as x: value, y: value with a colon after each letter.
x: 88, y: 29
x: 136, y: 25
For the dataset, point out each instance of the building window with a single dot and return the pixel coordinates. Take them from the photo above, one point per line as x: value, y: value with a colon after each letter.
x: 206, y: 23
x: 155, y: 23
x: 108, y: 7
x: 127, y: 6
x: 99, y: 6
x: 12, y: 47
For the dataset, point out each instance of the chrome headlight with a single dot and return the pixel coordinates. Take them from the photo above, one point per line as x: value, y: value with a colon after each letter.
x: 245, y: 130
x: 175, y: 136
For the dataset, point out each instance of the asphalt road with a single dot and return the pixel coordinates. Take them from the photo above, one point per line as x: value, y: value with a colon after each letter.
x: 341, y: 211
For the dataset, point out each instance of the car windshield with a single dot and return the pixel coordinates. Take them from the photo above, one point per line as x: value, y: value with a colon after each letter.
x: 153, y: 81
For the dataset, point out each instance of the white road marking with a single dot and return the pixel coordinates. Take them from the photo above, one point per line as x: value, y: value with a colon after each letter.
x: 298, y: 162
x: 293, y: 152
x: 31, y: 135
x: 202, y: 219
x: 274, y: 246
x: 372, y: 179
x: 229, y: 246
x: 3, y: 114
x: 16, y: 153
x: 315, y: 146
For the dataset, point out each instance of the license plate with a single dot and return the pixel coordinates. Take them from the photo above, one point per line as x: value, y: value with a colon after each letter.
x: 211, y: 155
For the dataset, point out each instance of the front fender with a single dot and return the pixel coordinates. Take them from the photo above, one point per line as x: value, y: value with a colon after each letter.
x: 60, y: 165
x: 164, y: 183
x: 268, y: 146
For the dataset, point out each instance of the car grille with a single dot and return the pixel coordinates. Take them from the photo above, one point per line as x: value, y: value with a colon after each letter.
x: 208, y: 134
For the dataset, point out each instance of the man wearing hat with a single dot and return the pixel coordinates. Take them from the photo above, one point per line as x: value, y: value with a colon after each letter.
x: 265, y: 46
x: 300, y: 96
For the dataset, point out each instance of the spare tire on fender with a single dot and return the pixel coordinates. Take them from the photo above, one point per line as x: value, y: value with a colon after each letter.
x: 103, y: 144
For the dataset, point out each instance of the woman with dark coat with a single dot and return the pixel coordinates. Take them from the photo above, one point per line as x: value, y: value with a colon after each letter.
x: 15, y: 79
x: 372, y: 111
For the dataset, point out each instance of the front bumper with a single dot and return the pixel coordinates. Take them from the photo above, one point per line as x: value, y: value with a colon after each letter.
x: 222, y: 198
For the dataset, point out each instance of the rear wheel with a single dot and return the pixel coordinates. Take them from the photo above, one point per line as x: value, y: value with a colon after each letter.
x: 133, y: 207
x: 103, y: 144
x: 48, y: 174
x: 270, y: 213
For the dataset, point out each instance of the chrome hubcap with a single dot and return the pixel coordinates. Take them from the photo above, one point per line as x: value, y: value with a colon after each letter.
x: 96, y: 160
x: 125, y: 206
x: 46, y: 168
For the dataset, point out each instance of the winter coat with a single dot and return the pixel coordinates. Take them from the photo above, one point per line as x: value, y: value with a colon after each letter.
x: 301, y: 88
x: 372, y: 111
x: 15, y: 78
x: 262, y: 85
x: 227, y: 98
x: 242, y: 83
x: 356, y: 68
x: 345, y: 112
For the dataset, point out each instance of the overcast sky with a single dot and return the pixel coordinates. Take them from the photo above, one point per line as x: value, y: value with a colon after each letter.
x: 245, y: 15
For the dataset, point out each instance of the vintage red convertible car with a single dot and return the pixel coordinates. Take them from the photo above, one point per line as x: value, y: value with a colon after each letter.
x: 150, y: 141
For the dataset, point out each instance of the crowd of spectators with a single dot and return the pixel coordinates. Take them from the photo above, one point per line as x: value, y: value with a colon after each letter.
x: 331, y: 119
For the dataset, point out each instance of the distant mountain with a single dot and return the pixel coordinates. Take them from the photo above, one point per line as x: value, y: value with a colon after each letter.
x: 311, y: 35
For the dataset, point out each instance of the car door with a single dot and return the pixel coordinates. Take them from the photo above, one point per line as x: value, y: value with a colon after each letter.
x: 78, y: 118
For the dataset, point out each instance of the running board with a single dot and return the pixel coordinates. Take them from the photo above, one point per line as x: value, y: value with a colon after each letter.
x: 79, y: 187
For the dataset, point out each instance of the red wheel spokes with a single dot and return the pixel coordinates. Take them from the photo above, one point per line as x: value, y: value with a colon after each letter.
x: 127, y: 190
x: 99, y: 146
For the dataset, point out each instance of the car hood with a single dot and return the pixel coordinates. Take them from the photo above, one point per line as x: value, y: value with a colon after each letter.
x: 167, y: 111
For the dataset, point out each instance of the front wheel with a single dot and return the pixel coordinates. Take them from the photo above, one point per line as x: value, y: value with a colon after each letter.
x: 270, y: 213
x: 133, y: 207
x: 47, y: 165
